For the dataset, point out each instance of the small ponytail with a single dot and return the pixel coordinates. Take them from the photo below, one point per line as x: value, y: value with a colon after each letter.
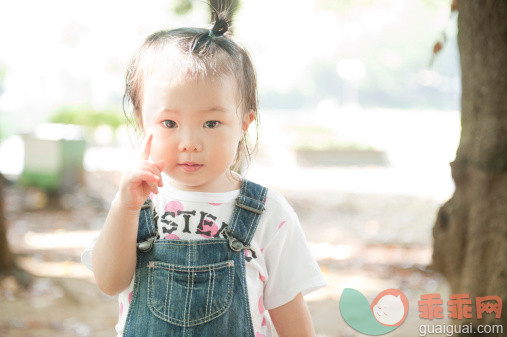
x: 203, y: 41
x: 221, y: 25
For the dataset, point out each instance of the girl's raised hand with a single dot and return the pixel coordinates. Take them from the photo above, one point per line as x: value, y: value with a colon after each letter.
x: 140, y: 180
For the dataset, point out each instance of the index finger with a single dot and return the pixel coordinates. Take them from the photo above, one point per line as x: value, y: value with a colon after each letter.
x: 145, y: 154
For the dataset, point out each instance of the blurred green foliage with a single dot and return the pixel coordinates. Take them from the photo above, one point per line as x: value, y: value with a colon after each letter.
x: 181, y: 7
x: 87, y: 116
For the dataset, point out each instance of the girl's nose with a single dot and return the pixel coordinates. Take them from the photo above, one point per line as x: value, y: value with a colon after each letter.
x: 189, y: 143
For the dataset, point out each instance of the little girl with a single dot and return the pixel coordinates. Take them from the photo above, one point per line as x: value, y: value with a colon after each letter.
x: 192, y: 247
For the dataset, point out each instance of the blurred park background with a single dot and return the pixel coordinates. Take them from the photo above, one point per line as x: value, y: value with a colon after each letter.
x: 357, y: 131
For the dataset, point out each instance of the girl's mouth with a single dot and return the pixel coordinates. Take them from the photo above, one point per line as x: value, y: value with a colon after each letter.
x: 190, y: 166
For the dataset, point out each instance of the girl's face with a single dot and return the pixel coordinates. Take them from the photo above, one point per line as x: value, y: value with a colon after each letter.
x: 196, y: 128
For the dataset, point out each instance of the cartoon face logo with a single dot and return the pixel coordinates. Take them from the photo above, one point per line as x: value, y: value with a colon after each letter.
x: 388, y: 307
x: 387, y: 311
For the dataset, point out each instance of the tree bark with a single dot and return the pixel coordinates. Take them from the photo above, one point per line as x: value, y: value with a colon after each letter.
x: 6, y: 257
x: 470, y: 233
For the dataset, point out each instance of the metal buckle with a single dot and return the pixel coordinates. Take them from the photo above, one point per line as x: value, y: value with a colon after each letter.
x: 145, y: 246
x: 234, y: 243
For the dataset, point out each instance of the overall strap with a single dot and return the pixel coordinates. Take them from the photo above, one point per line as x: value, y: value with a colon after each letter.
x: 147, y: 232
x: 247, y: 211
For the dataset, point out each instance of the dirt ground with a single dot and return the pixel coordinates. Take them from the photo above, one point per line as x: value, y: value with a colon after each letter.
x: 366, y: 242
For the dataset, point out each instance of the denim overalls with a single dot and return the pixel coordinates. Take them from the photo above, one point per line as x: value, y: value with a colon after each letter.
x: 195, y: 287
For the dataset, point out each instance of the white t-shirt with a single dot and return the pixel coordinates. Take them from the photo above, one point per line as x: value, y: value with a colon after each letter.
x: 280, y: 267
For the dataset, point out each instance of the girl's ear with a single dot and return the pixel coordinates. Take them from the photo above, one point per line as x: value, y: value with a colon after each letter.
x: 248, y: 118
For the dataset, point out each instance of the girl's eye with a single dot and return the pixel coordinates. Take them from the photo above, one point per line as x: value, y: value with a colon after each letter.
x: 169, y: 124
x: 211, y: 124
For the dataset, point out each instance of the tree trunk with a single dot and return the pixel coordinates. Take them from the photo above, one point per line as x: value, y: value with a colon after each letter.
x: 6, y: 258
x: 470, y: 233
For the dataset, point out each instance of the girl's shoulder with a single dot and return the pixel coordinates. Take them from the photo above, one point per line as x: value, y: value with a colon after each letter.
x: 278, y: 213
x: 276, y: 202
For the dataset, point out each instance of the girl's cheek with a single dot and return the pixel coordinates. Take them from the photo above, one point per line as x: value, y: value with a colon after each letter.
x: 163, y: 147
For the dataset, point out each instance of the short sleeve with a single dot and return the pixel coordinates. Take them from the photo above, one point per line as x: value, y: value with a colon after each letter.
x: 86, y: 255
x: 290, y: 264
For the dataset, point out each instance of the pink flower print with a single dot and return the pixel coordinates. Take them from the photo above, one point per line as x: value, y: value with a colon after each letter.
x: 212, y: 228
x: 262, y: 250
x: 172, y: 236
x: 121, y: 310
x: 258, y: 334
x: 151, y: 196
x: 174, y: 206
x: 281, y: 224
x: 215, y: 203
x: 261, y: 305
x: 130, y: 296
x: 263, y: 321
x: 263, y: 279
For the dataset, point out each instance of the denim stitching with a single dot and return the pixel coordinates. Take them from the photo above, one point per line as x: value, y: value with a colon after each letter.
x: 148, y: 222
x: 234, y: 217
x: 170, y: 296
x: 236, y: 212
x: 258, y: 204
x: 167, y: 292
x: 153, y: 230
x: 256, y: 201
x: 145, y: 219
x: 203, y: 319
x: 190, y: 269
x: 207, y: 293
x: 243, y: 277
x: 192, y: 288
x: 196, y: 269
x: 151, y: 294
x: 188, y: 289
x: 249, y: 314
x: 248, y: 238
x: 250, y: 227
x: 212, y: 289
x: 233, y: 220
x: 187, y: 242
x: 255, y: 217
x: 219, y: 312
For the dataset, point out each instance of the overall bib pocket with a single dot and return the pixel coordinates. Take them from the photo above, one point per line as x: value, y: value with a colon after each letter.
x: 189, y: 295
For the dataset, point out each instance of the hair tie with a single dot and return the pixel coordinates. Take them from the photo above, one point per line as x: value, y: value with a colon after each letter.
x: 211, y: 34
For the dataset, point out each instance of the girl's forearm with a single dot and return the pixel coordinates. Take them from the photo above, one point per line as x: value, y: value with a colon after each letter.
x: 114, y: 255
